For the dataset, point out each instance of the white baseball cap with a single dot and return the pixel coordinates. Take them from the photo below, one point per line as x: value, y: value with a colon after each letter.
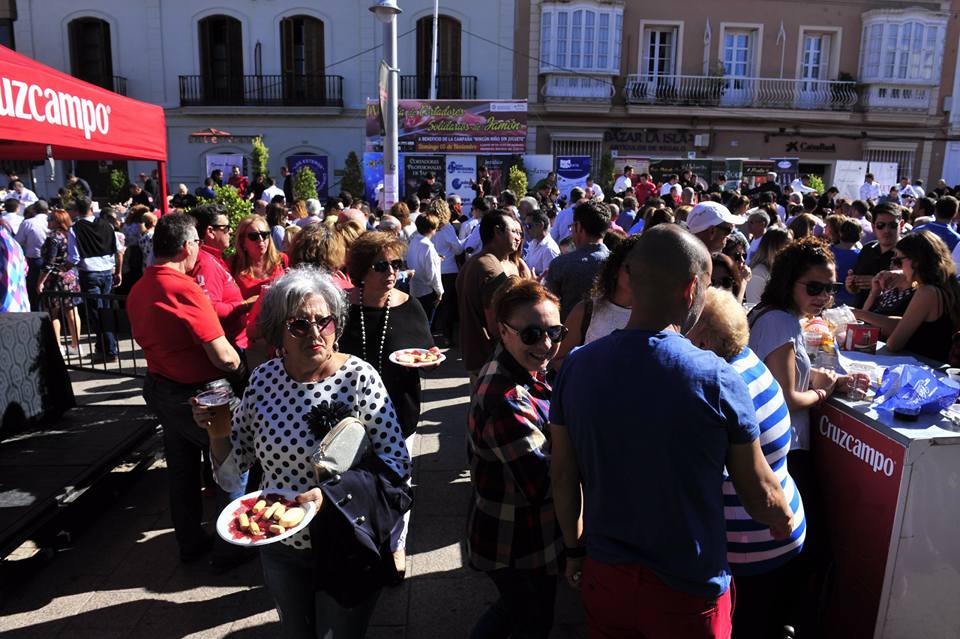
x: 708, y: 214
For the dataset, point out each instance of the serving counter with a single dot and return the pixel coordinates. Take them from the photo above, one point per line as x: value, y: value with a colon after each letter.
x: 891, y: 494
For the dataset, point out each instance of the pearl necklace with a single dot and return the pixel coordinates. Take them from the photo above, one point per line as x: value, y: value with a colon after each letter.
x: 383, y: 336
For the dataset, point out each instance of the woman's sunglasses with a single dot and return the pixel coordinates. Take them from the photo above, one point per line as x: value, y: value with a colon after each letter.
x: 533, y: 334
x: 383, y: 265
x: 739, y: 257
x: 256, y: 236
x: 816, y: 288
x: 723, y: 282
x: 300, y: 327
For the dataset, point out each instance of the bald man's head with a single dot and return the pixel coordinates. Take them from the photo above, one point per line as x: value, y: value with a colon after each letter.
x: 663, y: 266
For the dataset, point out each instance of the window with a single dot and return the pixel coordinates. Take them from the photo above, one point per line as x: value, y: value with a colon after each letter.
x: 659, y: 52
x: 91, y: 58
x: 739, y: 59
x: 903, y: 47
x: 580, y: 37
x: 448, y: 57
x: 815, y: 58
x: 221, y: 59
x: 302, y: 62
x: 738, y: 54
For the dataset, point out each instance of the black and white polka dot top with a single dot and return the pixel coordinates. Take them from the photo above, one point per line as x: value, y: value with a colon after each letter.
x: 270, y: 426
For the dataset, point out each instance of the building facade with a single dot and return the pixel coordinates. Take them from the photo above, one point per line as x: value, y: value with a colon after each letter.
x: 817, y: 81
x: 296, y: 73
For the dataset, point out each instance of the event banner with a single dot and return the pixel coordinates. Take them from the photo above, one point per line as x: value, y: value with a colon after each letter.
x: 848, y: 176
x: 225, y: 162
x: 415, y: 169
x: 498, y: 169
x: 453, y: 126
x: 661, y: 169
x: 537, y: 167
x: 639, y: 164
x: 572, y: 170
x: 372, y: 176
x: 885, y: 174
x: 318, y: 164
x: 787, y: 169
x: 461, y: 172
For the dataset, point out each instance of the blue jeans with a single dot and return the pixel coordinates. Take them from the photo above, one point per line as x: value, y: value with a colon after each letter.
x: 99, y: 283
x: 183, y: 442
x: 304, y: 613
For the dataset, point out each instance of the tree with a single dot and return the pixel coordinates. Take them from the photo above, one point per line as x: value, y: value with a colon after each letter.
x: 605, y: 178
x: 259, y: 156
x: 304, y: 184
x: 517, y: 180
x: 816, y: 182
x: 118, y: 186
x: 352, y: 180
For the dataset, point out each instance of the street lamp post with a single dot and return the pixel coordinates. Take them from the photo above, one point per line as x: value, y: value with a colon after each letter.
x: 386, y: 12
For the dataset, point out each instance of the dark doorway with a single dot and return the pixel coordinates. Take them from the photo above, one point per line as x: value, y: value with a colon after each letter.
x: 91, y: 57
x: 221, y: 59
x: 302, y: 61
x: 448, y: 57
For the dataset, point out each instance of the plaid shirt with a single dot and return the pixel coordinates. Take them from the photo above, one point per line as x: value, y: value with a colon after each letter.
x: 512, y: 523
x: 13, y: 274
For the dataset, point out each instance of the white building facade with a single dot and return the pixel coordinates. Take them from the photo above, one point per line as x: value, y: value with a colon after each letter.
x: 296, y: 73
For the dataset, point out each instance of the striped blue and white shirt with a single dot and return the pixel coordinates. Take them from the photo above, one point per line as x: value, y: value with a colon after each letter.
x: 750, y: 548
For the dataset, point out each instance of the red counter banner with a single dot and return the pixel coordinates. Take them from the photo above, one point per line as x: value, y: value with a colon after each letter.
x: 454, y: 126
x: 859, y: 473
x: 40, y: 106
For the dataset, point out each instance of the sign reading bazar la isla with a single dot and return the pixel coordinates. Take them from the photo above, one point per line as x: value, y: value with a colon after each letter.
x: 633, y: 141
x: 454, y: 126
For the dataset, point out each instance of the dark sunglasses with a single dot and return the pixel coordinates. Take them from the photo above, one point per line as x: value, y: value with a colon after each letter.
x: 723, y: 282
x: 533, y: 334
x: 256, y: 236
x: 220, y: 227
x: 300, y: 327
x: 816, y: 288
x: 883, y: 225
x: 740, y: 257
x: 896, y: 261
x: 383, y: 265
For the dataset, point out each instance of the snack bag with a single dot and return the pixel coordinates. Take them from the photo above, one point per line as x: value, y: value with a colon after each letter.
x: 915, y: 390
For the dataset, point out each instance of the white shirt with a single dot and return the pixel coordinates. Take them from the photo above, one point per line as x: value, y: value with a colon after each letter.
x: 622, y: 184
x: 908, y: 191
x: 448, y: 245
x: 270, y: 193
x: 561, y: 226
x: 956, y: 255
x: 597, y: 191
x: 32, y: 234
x: 540, y: 253
x: 26, y: 197
x: 423, y: 258
x: 473, y: 244
x: 667, y: 187
x: 919, y: 191
x: 799, y: 187
x: 467, y: 227
x: 869, y: 191
x: 13, y: 220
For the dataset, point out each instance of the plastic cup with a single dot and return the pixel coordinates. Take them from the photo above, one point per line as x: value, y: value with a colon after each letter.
x: 219, y: 400
x: 811, y: 342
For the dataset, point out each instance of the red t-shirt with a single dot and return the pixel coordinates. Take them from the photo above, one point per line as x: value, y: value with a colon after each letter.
x: 250, y: 286
x: 171, y: 319
x: 212, y: 275
x: 643, y: 191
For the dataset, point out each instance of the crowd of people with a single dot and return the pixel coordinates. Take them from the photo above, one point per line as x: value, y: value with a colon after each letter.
x: 692, y: 294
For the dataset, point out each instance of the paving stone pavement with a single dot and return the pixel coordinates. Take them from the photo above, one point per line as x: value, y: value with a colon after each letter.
x: 121, y: 578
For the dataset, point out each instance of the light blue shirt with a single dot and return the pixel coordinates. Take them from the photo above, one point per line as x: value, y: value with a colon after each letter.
x: 93, y: 264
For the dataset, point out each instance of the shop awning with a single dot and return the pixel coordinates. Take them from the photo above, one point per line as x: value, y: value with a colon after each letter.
x: 41, y: 107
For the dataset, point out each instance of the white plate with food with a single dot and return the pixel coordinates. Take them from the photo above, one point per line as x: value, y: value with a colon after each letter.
x: 264, y: 517
x: 417, y: 357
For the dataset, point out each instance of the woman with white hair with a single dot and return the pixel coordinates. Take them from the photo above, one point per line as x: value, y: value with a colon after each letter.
x: 325, y: 580
x: 314, y: 209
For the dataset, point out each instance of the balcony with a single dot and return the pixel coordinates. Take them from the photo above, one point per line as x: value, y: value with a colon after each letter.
x: 756, y: 93
x: 577, y: 92
x: 897, y: 98
x: 312, y: 90
x: 119, y: 85
x: 449, y: 87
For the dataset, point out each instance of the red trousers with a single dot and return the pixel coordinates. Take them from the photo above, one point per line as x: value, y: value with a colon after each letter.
x: 630, y: 601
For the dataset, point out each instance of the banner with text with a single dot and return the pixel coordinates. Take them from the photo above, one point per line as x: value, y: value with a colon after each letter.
x: 461, y: 173
x: 225, y: 162
x: 787, y: 170
x: 572, y: 170
x: 453, y: 126
x: 415, y: 169
x: 317, y: 164
x: 848, y: 176
x: 372, y: 176
x: 536, y: 167
x: 885, y: 174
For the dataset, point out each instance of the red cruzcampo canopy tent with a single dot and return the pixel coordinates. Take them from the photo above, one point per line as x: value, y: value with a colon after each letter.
x: 45, y: 113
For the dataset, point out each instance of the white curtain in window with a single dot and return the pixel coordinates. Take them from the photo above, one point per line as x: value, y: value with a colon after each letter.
x: 580, y: 38
x: 906, y: 50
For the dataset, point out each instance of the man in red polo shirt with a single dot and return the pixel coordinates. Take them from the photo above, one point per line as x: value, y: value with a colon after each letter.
x: 185, y: 348
x: 213, y: 276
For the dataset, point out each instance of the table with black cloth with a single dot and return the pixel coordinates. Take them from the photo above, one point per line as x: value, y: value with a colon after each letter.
x: 34, y: 384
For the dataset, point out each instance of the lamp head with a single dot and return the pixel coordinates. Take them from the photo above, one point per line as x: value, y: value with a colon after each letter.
x: 385, y: 10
